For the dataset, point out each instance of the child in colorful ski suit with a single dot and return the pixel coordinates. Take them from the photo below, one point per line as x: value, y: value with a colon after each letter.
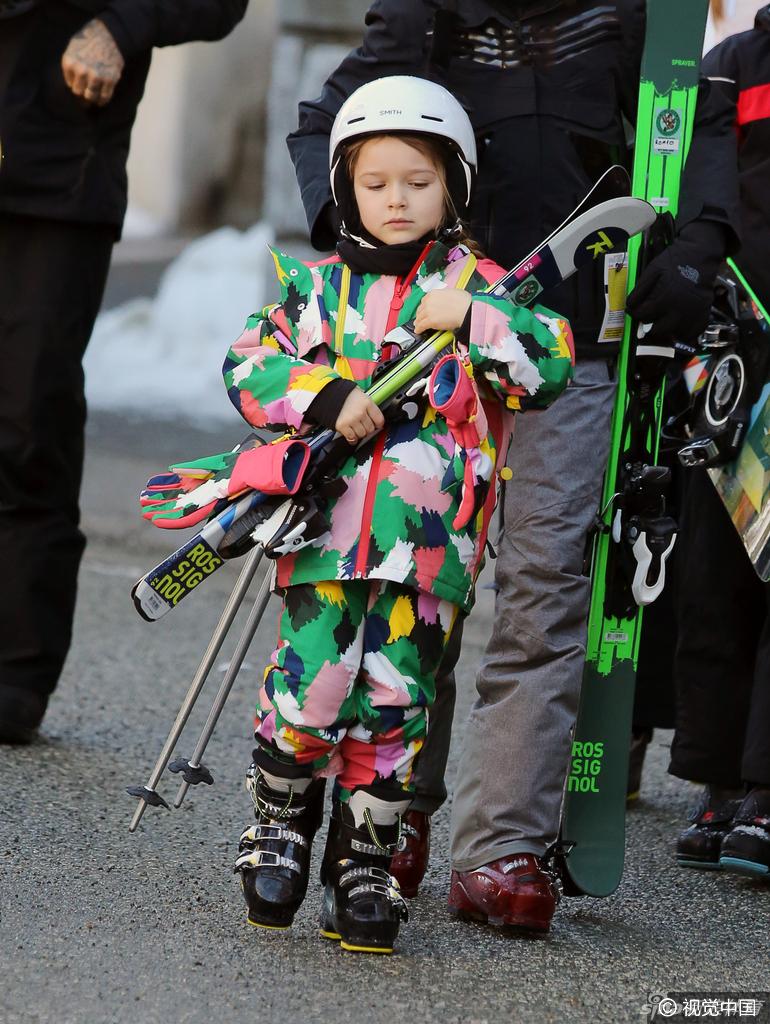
x: 369, y: 607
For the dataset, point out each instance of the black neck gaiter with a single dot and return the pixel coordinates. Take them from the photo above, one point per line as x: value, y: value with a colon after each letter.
x: 397, y: 260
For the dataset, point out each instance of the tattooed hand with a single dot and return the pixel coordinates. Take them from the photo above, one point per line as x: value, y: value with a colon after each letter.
x: 92, y: 63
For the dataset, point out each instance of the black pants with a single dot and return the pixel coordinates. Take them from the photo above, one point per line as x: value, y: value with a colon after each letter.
x: 722, y: 663
x: 52, y: 279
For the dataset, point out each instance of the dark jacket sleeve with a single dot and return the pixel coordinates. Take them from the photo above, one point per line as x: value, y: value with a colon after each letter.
x: 138, y: 25
x: 396, y: 42
x: 710, y: 189
x: 632, y: 15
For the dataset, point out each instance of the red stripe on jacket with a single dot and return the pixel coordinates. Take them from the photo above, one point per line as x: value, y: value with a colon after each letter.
x: 753, y: 104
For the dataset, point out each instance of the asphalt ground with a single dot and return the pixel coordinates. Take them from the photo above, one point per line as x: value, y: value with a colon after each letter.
x: 98, y: 926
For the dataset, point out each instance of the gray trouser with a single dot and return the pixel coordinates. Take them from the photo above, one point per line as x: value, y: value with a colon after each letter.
x: 511, y: 775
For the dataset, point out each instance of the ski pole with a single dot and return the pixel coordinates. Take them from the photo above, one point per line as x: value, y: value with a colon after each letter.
x: 193, y: 771
x: 146, y: 793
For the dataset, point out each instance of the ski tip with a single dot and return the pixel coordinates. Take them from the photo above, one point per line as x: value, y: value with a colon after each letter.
x: 147, y: 602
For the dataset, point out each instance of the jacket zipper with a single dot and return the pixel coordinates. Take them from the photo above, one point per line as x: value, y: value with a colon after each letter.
x: 374, y: 472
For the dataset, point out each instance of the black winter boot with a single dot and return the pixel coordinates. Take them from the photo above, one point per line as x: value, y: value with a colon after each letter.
x: 363, y: 906
x: 700, y: 845
x: 274, y: 854
x: 746, y: 848
x: 21, y: 712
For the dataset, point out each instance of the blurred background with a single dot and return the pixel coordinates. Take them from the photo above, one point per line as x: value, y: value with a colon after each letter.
x: 211, y: 185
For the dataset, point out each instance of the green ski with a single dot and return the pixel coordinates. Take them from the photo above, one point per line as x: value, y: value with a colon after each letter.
x: 635, y: 537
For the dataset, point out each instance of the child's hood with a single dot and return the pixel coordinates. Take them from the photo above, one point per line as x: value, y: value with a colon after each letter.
x: 302, y: 313
x: 295, y: 278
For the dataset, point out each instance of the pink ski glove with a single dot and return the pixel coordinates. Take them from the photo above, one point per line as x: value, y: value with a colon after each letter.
x: 191, y: 492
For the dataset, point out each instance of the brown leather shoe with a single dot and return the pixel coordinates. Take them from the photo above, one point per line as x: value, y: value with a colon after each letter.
x: 410, y: 864
x: 512, y: 892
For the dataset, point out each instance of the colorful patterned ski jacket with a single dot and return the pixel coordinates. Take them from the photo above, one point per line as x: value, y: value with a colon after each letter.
x: 394, y: 519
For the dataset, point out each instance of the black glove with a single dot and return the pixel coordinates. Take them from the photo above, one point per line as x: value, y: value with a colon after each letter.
x: 675, y: 290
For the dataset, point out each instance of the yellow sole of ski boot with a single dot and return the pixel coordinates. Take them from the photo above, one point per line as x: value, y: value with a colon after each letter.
x: 336, y: 937
x: 365, y: 949
x: 269, y: 927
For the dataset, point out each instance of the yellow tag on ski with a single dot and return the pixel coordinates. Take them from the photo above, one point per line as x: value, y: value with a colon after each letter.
x: 615, y: 285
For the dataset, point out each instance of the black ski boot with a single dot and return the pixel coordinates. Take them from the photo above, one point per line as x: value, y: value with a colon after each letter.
x: 700, y: 845
x: 746, y: 848
x: 363, y: 906
x: 274, y: 854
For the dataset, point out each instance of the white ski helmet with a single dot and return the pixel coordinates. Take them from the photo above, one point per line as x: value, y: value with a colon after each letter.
x: 401, y: 104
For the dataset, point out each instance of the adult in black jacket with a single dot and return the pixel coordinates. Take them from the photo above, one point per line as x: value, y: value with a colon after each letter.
x: 722, y: 662
x: 549, y: 87
x: 71, y: 77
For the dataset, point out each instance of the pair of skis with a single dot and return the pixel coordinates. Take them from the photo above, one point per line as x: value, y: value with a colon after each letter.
x: 636, y: 536
x: 603, y: 222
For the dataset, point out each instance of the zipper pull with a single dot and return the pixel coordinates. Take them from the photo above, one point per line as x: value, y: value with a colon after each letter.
x: 396, y: 304
x: 397, y: 301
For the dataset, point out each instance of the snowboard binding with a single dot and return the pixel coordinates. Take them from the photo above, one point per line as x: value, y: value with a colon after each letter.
x: 723, y: 380
x: 644, y: 535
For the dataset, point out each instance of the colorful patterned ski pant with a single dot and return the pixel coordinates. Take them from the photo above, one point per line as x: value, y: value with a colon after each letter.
x: 348, y: 688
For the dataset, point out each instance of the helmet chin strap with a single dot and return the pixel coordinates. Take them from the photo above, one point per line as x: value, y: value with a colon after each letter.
x: 355, y: 238
x: 332, y: 176
x: 448, y: 233
x: 451, y: 233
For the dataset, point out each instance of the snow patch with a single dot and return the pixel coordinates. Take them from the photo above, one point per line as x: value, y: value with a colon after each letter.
x: 163, y: 357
